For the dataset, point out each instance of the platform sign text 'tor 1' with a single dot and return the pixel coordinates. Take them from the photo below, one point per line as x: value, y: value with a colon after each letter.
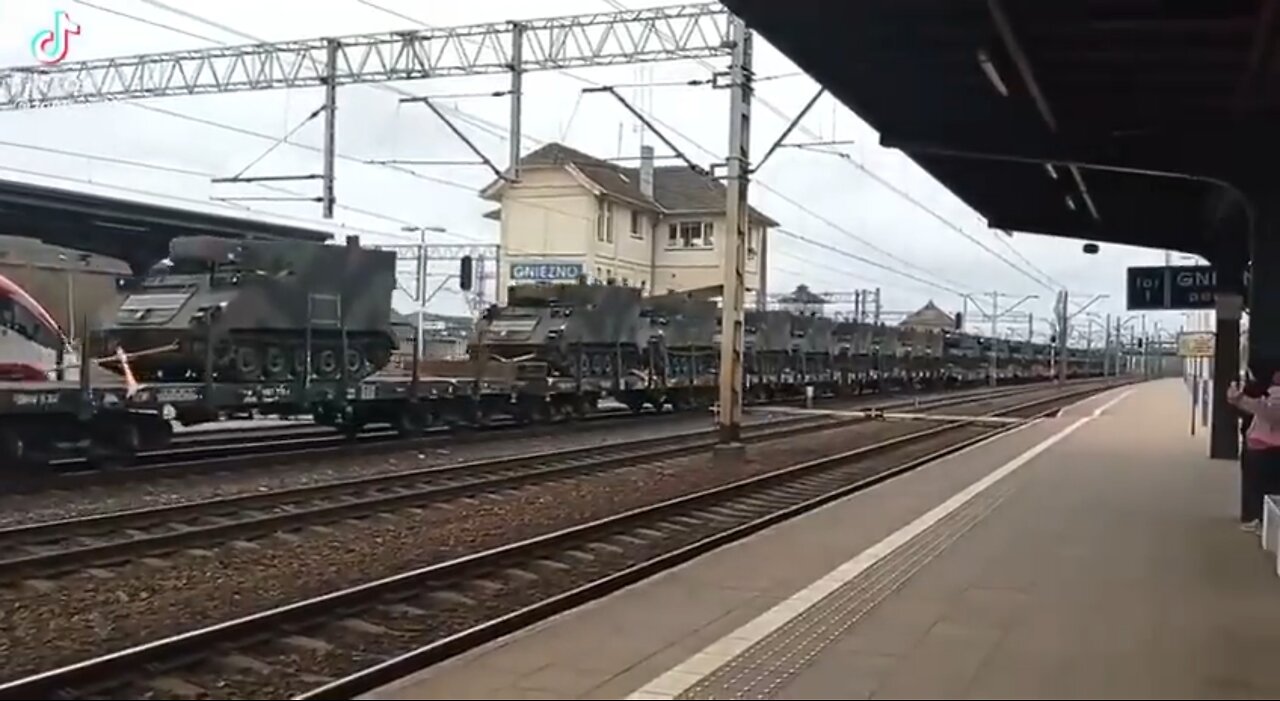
x: 1171, y: 287
x: 1196, y: 344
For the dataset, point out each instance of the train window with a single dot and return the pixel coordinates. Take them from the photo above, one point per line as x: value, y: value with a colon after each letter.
x: 17, y: 318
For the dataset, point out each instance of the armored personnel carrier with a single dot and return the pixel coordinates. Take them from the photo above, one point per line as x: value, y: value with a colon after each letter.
x: 683, y: 335
x: 250, y: 311
x: 578, y: 330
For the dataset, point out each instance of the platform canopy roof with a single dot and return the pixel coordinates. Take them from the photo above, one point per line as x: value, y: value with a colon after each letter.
x: 135, y: 232
x: 1161, y: 105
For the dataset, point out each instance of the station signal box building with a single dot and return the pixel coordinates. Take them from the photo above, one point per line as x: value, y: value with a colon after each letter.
x: 659, y: 228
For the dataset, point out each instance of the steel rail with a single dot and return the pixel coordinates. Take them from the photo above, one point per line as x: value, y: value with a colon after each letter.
x: 40, y: 550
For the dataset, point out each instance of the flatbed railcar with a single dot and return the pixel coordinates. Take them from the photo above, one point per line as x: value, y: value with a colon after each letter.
x: 548, y: 355
x: 109, y: 422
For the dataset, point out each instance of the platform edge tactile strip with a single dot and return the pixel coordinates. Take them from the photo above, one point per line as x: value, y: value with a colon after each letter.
x: 762, y: 668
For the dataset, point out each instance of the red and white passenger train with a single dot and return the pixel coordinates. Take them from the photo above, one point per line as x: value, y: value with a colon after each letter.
x: 29, y: 337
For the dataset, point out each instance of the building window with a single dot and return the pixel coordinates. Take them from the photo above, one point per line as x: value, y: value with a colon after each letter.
x: 637, y: 224
x: 753, y: 239
x: 691, y: 234
x: 604, y: 222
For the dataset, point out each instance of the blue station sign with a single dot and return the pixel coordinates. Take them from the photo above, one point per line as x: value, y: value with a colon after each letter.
x: 545, y: 272
x: 1171, y: 287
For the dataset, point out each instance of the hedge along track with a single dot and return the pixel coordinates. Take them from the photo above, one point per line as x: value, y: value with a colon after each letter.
x: 347, y: 642
x: 48, y: 549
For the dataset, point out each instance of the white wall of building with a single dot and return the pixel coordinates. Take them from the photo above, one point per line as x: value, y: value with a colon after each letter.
x: 551, y: 216
x: 546, y: 217
x: 687, y: 262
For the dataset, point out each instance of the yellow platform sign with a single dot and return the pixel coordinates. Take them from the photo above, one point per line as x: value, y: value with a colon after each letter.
x: 1196, y: 344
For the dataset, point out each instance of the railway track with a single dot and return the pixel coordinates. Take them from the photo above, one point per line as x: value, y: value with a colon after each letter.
x: 47, y: 549
x: 44, y: 550
x: 345, y: 642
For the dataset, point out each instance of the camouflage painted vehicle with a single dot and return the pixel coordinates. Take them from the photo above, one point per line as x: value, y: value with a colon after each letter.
x: 683, y: 337
x: 256, y: 311
x: 578, y: 330
x: 813, y: 345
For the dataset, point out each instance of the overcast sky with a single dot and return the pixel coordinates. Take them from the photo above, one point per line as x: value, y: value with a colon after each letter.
x: 824, y: 197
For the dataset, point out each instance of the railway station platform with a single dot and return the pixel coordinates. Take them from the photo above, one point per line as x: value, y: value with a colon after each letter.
x: 1095, y: 554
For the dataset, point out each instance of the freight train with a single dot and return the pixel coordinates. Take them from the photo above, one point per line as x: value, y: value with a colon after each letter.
x: 664, y: 350
x: 223, y: 328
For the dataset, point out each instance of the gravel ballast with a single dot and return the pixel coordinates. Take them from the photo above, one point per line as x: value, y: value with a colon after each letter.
x: 23, y: 509
x: 92, y: 613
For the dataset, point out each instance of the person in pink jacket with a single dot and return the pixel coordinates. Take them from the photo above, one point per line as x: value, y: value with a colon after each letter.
x: 1260, y: 459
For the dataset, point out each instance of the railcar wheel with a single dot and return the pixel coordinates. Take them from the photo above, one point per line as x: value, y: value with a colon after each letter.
x: 156, y: 432
x: 248, y: 363
x: 277, y: 364
x: 325, y: 364
x: 355, y: 363
x: 412, y: 421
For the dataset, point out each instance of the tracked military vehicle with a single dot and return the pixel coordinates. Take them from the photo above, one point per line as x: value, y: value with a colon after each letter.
x: 683, y: 335
x: 250, y: 311
x: 585, y: 331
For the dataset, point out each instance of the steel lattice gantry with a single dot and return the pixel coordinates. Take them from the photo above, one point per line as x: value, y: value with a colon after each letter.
x: 689, y: 31
x: 679, y: 32
x: 659, y: 34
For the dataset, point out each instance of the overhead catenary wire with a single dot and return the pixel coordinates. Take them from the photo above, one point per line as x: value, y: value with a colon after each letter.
x: 199, y: 174
x: 620, y: 7
x: 911, y: 199
x: 763, y: 102
x: 950, y: 285
x: 397, y: 236
x: 878, y: 178
x: 308, y: 147
x: 176, y: 198
x: 271, y: 149
x: 162, y: 5
x: 494, y: 130
x: 144, y: 20
x: 248, y: 132
x: 828, y: 247
x: 844, y: 276
x: 256, y: 134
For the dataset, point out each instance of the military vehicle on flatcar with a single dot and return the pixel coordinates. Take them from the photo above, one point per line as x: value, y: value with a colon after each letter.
x: 253, y: 311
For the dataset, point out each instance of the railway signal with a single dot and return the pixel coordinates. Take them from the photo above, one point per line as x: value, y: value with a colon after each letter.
x: 466, y: 273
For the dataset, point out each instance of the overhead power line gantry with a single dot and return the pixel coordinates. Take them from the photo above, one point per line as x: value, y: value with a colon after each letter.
x: 690, y: 31
x: 660, y: 34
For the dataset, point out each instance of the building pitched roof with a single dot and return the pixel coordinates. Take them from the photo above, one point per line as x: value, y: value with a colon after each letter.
x: 675, y: 188
x: 803, y: 295
x: 929, y: 316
